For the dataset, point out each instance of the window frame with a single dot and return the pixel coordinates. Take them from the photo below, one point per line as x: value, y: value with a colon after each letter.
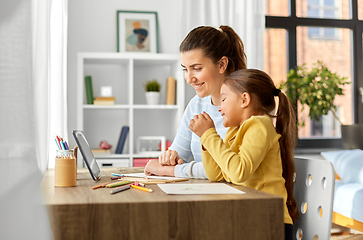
x: 290, y: 24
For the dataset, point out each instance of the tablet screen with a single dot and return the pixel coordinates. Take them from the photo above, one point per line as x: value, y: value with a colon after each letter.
x: 87, y: 154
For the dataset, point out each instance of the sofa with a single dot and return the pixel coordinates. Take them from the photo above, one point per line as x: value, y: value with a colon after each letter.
x: 348, y: 195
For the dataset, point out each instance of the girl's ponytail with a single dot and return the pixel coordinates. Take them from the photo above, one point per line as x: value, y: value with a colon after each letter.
x: 286, y: 127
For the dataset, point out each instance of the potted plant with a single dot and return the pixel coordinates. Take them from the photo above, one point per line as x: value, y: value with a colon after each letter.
x: 315, y: 89
x: 152, y: 88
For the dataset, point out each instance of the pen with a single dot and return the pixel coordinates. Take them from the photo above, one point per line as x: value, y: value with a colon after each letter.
x: 121, y: 189
x: 142, y: 188
x: 99, y: 186
x: 116, y: 184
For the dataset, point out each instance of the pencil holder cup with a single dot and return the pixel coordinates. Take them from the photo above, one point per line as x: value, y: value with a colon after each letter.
x: 65, y: 172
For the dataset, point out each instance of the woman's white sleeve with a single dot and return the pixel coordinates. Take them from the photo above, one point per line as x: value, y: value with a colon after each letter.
x: 192, y: 169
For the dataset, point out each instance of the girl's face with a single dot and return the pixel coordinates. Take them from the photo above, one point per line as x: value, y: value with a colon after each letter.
x: 200, y: 72
x: 231, y: 107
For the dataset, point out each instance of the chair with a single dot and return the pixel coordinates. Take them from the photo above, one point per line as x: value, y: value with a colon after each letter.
x: 314, y: 193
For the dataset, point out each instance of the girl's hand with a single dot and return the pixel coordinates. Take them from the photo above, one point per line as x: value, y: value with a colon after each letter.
x: 170, y: 157
x: 201, y: 123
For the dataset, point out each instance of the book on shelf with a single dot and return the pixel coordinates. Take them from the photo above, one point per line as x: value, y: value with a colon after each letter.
x: 170, y: 91
x: 104, y: 101
x: 89, y: 89
x: 122, y: 139
x: 98, y: 150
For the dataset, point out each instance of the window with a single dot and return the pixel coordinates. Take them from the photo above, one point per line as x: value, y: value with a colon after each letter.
x: 278, y: 7
x: 324, y: 30
x: 322, y: 9
x: 360, y: 7
x: 336, y: 55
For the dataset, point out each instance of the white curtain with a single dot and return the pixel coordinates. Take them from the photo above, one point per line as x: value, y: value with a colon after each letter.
x: 26, y: 98
x: 246, y: 17
x: 58, y: 75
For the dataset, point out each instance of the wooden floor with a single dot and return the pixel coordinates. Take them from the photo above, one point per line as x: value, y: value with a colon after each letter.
x: 348, y: 237
x: 342, y: 233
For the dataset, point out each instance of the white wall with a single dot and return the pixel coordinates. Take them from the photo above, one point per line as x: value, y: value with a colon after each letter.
x: 92, y: 28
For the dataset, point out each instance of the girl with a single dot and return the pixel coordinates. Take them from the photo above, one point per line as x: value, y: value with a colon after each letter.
x: 254, y: 153
x: 208, y: 56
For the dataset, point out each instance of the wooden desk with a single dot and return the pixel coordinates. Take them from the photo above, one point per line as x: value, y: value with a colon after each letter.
x: 82, y: 213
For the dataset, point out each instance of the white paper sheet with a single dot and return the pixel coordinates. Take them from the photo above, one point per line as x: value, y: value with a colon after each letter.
x: 199, y: 188
x: 142, y: 175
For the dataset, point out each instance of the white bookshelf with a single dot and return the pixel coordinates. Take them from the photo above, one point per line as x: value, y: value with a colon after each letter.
x: 126, y: 73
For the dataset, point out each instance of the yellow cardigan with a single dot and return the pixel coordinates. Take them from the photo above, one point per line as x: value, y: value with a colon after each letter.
x: 248, y: 156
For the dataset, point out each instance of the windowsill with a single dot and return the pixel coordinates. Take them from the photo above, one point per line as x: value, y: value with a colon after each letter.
x: 309, y: 151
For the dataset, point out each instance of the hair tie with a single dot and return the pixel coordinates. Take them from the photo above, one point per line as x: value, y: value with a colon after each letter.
x: 276, y: 92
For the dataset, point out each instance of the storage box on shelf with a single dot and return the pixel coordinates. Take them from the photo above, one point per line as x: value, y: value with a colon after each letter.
x: 127, y: 73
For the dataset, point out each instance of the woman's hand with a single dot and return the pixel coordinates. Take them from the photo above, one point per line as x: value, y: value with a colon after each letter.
x: 201, y: 123
x: 153, y: 167
x: 170, y: 158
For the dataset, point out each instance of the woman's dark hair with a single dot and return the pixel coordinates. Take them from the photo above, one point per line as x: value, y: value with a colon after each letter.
x: 261, y: 87
x: 217, y: 43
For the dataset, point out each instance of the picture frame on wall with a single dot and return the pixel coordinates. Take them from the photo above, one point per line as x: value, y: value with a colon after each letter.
x: 137, y: 31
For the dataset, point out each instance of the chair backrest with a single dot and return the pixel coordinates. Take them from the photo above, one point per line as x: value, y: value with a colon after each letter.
x: 314, y: 193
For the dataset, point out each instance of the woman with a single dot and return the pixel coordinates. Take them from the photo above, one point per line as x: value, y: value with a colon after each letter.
x: 208, y: 56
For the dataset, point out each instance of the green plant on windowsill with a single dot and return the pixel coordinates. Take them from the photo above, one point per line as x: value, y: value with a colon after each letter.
x: 315, y: 89
x: 152, y: 86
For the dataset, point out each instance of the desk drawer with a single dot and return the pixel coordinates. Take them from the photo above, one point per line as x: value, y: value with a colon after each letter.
x: 112, y: 162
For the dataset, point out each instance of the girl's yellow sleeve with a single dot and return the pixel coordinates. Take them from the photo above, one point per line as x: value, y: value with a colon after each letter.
x: 212, y: 170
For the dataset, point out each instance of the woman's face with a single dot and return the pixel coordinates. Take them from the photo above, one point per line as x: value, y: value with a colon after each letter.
x: 200, y: 72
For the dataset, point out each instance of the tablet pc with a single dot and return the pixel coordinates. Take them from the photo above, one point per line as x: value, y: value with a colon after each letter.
x: 87, y: 154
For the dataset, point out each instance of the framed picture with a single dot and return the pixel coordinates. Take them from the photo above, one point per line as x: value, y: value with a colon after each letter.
x: 137, y: 31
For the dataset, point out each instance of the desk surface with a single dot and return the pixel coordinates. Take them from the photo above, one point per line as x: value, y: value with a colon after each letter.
x: 82, y: 213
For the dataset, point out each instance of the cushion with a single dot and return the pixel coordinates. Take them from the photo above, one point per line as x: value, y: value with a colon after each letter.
x: 348, y: 199
x: 348, y: 164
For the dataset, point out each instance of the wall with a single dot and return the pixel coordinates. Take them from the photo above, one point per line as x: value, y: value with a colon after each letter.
x: 92, y: 28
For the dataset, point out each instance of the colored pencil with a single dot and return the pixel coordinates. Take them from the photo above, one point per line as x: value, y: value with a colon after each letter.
x: 63, y: 147
x: 142, y: 188
x: 66, y: 145
x: 124, y: 185
x: 116, y: 184
x: 121, y: 189
x: 57, y: 144
x: 117, y: 175
x: 116, y: 178
x: 100, y: 186
x: 180, y: 180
